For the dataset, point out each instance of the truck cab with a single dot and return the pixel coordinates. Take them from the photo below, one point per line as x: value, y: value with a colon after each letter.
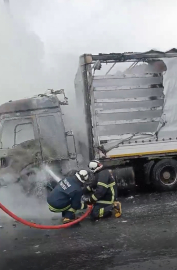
x: 32, y: 132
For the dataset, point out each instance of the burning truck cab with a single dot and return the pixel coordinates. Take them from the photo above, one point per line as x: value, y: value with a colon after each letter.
x: 32, y: 132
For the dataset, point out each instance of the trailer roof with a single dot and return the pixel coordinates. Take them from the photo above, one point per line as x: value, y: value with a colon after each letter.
x: 134, y: 56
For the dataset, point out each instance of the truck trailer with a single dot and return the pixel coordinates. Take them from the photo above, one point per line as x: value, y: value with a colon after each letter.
x: 128, y: 119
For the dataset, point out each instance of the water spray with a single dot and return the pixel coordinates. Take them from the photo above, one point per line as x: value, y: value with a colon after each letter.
x: 52, y: 174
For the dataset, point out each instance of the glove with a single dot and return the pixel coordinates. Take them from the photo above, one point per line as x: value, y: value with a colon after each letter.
x: 85, y: 199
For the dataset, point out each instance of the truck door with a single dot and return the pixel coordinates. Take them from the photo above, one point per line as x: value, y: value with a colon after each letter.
x: 52, y: 135
x: 17, y: 132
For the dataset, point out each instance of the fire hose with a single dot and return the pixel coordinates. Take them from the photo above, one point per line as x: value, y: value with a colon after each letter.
x: 46, y: 227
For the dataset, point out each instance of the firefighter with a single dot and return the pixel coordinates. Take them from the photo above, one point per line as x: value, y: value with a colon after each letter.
x: 65, y: 198
x: 102, y: 192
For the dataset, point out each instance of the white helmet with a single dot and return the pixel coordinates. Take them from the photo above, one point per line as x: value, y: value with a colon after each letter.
x: 82, y: 176
x: 95, y: 166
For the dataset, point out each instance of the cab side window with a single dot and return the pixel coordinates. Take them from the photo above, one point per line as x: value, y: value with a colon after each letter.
x: 15, y: 132
x: 23, y: 132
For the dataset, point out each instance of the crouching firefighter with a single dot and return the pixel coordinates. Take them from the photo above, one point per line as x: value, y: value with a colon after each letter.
x: 102, y: 192
x: 65, y: 198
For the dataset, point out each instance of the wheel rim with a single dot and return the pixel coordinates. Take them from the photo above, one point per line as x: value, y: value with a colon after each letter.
x: 168, y: 175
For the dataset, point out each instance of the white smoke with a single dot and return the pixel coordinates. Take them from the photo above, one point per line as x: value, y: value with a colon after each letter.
x: 24, y: 202
x: 21, y: 59
x: 70, y: 28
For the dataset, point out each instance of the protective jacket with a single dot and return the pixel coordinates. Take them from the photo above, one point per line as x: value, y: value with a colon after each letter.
x: 103, y: 188
x: 67, y: 193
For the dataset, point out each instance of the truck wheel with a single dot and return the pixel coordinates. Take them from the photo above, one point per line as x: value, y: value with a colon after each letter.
x: 164, y: 175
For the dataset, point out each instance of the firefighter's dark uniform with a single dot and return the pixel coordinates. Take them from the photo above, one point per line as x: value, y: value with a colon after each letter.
x: 103, y: 193
x: 66, y: 197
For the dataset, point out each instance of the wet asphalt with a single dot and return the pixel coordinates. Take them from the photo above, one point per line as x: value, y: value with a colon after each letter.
x: 145, y: 237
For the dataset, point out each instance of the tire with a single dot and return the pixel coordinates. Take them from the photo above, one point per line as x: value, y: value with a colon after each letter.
x: 164, y: 175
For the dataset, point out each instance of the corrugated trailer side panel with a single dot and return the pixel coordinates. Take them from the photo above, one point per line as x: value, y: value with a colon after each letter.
x: 126, y: 105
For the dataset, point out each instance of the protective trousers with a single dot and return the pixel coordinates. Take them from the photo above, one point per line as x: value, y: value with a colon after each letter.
x: 67, y: 212
x: 101, y: 210
x: 70, y: 213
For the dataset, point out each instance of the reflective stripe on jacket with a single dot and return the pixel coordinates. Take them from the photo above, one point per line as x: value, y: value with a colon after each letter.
x: 104, y: 188
x: 68, y: 192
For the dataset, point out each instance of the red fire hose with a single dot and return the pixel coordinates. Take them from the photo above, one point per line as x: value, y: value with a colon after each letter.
x: 45, y: 227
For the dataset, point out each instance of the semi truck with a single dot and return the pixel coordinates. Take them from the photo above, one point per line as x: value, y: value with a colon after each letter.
x: 126, y: 118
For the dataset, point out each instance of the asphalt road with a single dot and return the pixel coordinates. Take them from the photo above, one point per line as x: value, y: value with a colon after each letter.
x: 145, y: 237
